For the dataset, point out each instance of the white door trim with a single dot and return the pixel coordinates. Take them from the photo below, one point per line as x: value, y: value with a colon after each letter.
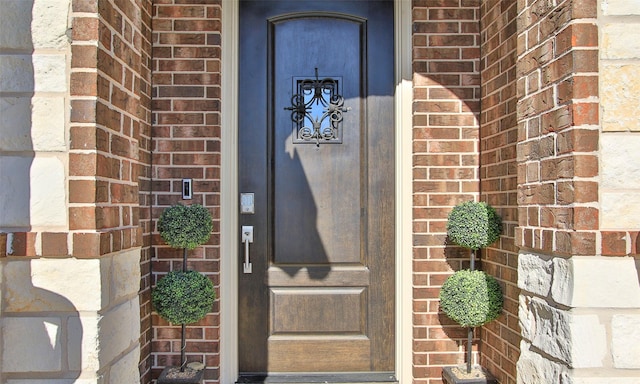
x: 229, y: 193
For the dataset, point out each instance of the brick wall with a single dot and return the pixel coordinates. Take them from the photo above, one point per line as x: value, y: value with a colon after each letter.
x: 116, y: 142
x: 446, y: 52
x: 498, y: 138
x: 558, y: 127
x: 107, y: 113
x: 110, y: 134
x: 186, y: 144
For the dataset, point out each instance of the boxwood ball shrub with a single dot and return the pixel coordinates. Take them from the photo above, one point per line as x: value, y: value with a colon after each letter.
x: 473, y: 225
x: 184, y: 226
x: 183, y: 297
x: 471, y: 298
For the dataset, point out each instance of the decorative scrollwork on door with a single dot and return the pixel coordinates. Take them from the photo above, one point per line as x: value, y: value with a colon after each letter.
x: 316, y: 110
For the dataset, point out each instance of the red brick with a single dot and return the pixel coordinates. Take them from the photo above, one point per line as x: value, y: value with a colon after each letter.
x: 82, y: 191
x: 583, y: 243
x: 577, y: 35
x: 83, y: 84
x: 22, y: 244
x: 123, y: 193
x: 585, y: 166
x: 585, y: 113
x: 451, y: 40
x: 578, y: 140
x: 586, y: 218
x: 197, y: 25
x: 81, y: 164
x: 188, y: 11
x: 54, y: 244
x: 85, y: 29
x: 634, y: 238
x: 83, y: 111
x: 614, y: 243
x: 583, y: 9
x: 82, y: 218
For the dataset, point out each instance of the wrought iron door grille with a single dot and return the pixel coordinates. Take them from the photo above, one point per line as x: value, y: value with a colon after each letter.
x: 316, y: 110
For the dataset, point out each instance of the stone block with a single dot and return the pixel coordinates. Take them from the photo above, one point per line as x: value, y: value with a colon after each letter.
x: 50, y: 73
x: 618, y: 151
x: 597, y: 282
x: 33, y: 73
x: 580, y: 341
x: 551, y: 330
x: 32, y: 344
x: 50, y: 23
x: 48, y: 193
x: 526, y: 320
x: 33, y: 192
x: 533, y: 368
x: 619, y: 97
x: 14, y: 194
x: 620, y: 41
x: 625, y: 341
x: 48, y: 131
x: 588, y: 341
x: 85, y: 331
x: 125, y: 275
x: 620, y: 210
x: 34, y: 285
x: 15, y: 24
x: 32, y: 124
x: 118, y: 330
x: 534, y: 274
x: 619, y: 7
x: 75, y: 332
x: 33, y: 24
x: 562, y: 286
x: 83, y: 285
x: 126, y: 370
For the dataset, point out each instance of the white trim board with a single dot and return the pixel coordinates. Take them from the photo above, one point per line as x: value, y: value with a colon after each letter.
x: 229, y: 193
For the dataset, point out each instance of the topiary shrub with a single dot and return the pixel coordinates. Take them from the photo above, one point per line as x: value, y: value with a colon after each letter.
x: 473, y: 225
x: 471, y: 298
x: 184, y: 226
x: 183, y: 297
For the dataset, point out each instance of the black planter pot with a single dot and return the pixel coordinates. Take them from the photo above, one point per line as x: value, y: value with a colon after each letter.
x: 479, y: 376
x: 190, y: 376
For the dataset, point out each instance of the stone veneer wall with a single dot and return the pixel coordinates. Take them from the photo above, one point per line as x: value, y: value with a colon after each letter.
x: 73, y: 99
x: 619, y: 25
x: 446, y: 108
x: 500, y: 339
x: 186, y: 144
x: 579, y: 310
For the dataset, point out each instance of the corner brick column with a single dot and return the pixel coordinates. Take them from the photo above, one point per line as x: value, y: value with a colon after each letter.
x: 579, y: 311
x: 109, y: 175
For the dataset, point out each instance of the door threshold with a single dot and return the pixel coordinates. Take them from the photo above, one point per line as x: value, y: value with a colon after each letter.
x: 337, y: 378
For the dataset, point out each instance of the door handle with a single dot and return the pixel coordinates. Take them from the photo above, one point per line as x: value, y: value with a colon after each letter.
x: 247, y: 237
